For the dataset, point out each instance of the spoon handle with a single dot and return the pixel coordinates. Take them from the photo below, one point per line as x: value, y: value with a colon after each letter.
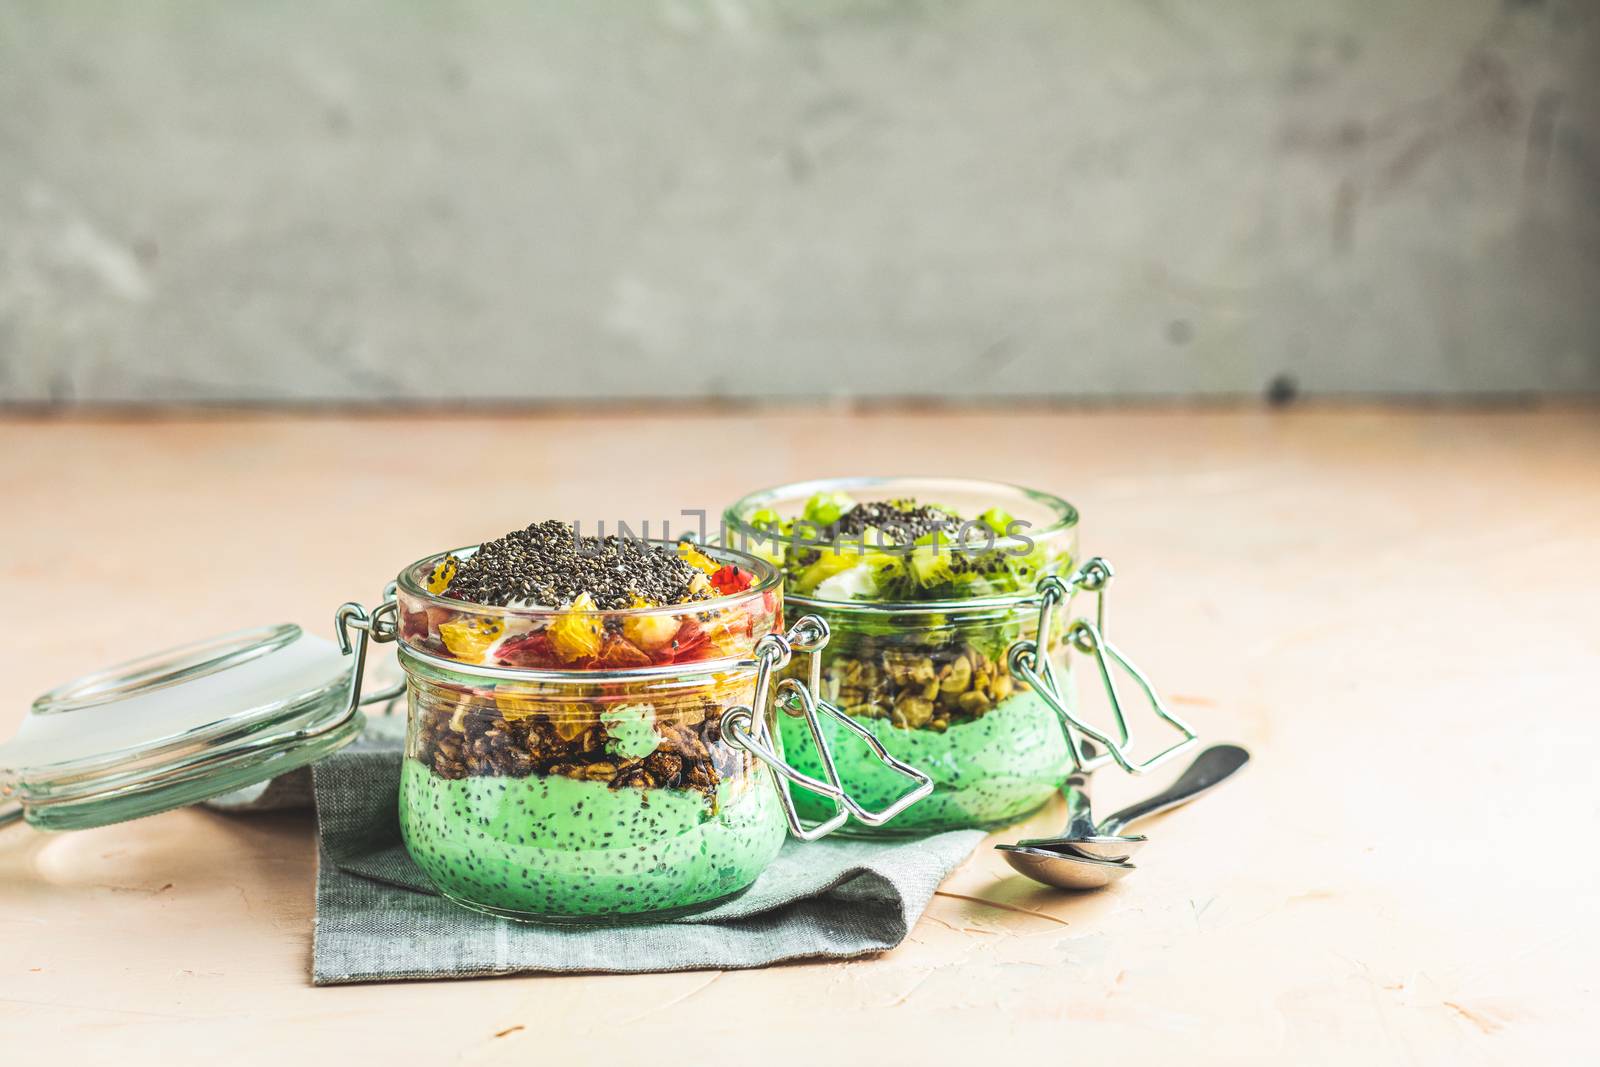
x: 1209, y: 769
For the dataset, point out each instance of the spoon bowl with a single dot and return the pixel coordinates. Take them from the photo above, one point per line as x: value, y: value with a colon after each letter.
x: 1086, y: 856
x: 1064, y: 871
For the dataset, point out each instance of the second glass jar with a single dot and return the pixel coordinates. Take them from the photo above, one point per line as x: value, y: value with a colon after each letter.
x: 932, y: 679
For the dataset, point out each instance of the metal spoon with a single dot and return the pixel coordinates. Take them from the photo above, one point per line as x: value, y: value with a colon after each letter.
x: 1066, y: 868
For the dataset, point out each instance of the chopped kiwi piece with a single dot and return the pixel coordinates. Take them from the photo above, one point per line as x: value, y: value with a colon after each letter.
x: 825, y: 509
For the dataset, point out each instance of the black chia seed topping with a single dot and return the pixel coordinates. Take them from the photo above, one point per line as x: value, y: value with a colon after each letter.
x: 548, y: 565
x: 905, y: 520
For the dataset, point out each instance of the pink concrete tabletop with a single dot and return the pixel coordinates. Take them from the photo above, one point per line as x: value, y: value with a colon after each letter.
x: 1394, y: 611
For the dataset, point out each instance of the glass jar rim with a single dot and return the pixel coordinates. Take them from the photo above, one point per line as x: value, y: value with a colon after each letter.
x: 767, y: 578
x: 1066, y: 519
x: 694, y: 674
x: 1066, y: 514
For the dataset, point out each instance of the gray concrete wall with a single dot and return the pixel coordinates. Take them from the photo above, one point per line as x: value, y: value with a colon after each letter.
x: 386, y: 199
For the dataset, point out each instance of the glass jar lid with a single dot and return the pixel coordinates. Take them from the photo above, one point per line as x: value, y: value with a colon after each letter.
x: 180, y: 726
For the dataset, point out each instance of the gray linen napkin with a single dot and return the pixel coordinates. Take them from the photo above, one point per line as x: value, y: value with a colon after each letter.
x: 379, y: 919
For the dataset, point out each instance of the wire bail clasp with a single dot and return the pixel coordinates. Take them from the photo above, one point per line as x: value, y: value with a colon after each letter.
x: 749, y: 730
x: 1033, y: 668
x: 380, y: 626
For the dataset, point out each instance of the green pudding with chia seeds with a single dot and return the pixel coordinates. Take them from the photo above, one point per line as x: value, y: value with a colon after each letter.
x: 556, y: 847
x: 989, y: 771
x: 924, y: 596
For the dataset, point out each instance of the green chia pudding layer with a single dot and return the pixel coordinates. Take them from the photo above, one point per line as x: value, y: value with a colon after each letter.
x: 554, y: 847
x: 988, y: 771
x: 533, y: 802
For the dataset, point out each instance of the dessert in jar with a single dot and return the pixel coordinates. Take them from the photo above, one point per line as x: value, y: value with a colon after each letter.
x: 939, y: 594
x: 568, y: 755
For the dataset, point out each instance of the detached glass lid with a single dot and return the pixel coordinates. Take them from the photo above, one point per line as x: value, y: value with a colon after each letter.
x: 184, y: 725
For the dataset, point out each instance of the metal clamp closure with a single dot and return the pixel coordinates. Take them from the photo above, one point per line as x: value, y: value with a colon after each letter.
x: 1034, y: 670
x: 750, y: 731
x: 382, y: 625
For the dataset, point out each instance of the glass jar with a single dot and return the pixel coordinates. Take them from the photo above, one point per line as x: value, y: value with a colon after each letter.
x: 977, y: 691
x: 560, y: 766
x: 570, y: 764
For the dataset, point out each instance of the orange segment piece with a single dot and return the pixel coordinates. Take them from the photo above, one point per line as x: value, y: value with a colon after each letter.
x: 443, y: 573
x: 469, y: 639
x: 698, y: 559
x: 575, y: 634
x: 649, y: 632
